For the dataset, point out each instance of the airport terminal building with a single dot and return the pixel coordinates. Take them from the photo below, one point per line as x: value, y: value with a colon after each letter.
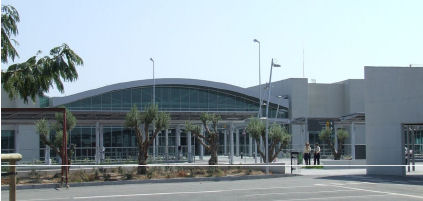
x: 304, y: 108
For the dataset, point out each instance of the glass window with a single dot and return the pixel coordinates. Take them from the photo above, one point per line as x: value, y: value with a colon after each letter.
x: 117, y: 100
x: 76, y: 137
x: 193, y: 100
x: 86, y: 137
x: 174, y: 99
x: 117, y: 137
x: 107, y: 136
x: 147, y: 97
x: 203, y: 100
x: 212, y: 103
x: 7, y: 141
x: 136, y: 97
x: 96, y: 103
x: 106, y: 102
x: 126, y: 99
x: 184, y: 98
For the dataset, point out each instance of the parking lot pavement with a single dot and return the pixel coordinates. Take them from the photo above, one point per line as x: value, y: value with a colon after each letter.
x: 287, y: 188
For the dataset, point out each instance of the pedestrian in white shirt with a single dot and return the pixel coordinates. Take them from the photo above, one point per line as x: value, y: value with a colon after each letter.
x: 307, y: 156
x: 316, y: 154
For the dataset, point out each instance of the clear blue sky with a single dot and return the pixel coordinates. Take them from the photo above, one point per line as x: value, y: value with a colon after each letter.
x: 213, y: 40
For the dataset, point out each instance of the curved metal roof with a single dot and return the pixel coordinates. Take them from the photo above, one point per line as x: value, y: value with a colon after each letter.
x: 56, y: 101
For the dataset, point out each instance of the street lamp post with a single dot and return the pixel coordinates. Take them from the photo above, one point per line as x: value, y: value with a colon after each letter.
x: 154, y: 83
x: 261, y: 101
x: 154, y: 104
x: 267, y: 116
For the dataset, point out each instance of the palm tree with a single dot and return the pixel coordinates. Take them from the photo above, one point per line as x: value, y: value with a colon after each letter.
x: 35, y: 76
x: 135, y: 119
x: 9, y: 28
x: 56, y: 145
x: 278, y: 137
x: 43, y: 129
x: 211, y: 137
x: 325, y: 136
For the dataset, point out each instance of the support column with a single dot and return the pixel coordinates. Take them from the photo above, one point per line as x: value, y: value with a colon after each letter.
x: 225, y: 144
x: 157, y: 144
x: 154, y: 149
x: 101, y: 142
x: 178, y: 142
x: 231, y: 144
x: 255, y: 152
x: 237, y: 142
x: 408, y: 148
x: 250, y: 146
x: 261, y: 148
x: 413, y: 143
x: 97, y: 143
x: 353, y: 141
x: 336, y: 137
x: 189, y: 147
x: 167, y: 144
x: 201, y: 145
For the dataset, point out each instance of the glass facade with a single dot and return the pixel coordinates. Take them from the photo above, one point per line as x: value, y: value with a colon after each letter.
x: 7, y: 141
x: 173, y: 98
x: 83, y: 137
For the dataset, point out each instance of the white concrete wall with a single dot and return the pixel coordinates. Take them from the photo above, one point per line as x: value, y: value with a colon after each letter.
x: 296, y: 89
x: 326, y: 100
x: 353, y: 96
x: 392, y: 96
x: 28, y: 142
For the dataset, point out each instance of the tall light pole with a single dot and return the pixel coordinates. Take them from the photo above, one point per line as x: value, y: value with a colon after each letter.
x: 267, y: 116
x: 261, y: 99
x: 154, y: 84
x: 154, y: 104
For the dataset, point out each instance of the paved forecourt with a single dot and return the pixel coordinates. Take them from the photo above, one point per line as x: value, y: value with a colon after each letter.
x: 286, y: 188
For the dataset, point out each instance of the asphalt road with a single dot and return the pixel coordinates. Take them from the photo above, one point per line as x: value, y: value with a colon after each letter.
x: 287, y: 188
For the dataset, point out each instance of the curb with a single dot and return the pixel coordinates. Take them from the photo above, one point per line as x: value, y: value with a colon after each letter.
x: 151, y: 181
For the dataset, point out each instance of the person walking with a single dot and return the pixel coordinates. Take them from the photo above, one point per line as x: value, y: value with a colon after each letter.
x: 316, y: 154
x: 307, y: 150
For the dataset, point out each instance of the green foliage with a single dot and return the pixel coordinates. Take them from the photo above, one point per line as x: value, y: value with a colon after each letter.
x: 150, y: 114
x: 70, y: 121
x: 342, y: 134
x: 35, y: 76
x: 9, y: 28
x: 324, y: 134
x: 191, y: 127
x: 133, y: 118
x: 210, y: 118
x: 43, y: 129
x: 256, y: 128
x: 162, y: 121
x: 279, y: 133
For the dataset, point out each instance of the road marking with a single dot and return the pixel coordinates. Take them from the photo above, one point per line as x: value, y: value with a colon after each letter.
x: 337, y: 183
x: 335, y: 197
x: 307, y: 192
x: 40, y: 199
x: 187, y: 192
x: 385, y: 192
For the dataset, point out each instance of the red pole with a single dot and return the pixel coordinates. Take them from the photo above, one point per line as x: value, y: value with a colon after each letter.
x: 65, y: 141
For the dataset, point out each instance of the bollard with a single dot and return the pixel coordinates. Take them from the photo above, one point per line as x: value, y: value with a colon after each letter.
x: 12, y: 158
